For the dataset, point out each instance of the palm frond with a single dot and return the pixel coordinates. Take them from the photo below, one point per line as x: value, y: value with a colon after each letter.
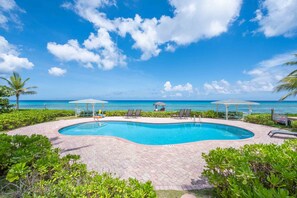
x: 292, y: 93
x: 291, y: 63
x: 32, y: 87
x: 29, y: 92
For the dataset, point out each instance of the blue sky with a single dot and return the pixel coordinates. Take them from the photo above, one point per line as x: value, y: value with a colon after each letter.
x: 144, y: 49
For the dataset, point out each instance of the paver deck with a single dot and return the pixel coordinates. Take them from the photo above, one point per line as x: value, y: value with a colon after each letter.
x: 176, y: 167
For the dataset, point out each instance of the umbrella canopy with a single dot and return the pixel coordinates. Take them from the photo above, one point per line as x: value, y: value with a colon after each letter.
x: 159, y: 104
x: 235, y: 102
x: 89, y: 101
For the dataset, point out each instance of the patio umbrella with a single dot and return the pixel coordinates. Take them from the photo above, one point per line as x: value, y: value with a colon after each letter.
x: 159, y: 104
x: 156, y: 104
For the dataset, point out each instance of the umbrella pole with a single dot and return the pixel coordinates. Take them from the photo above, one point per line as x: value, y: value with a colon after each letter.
x: 93, y: 105
x: 226, y: 112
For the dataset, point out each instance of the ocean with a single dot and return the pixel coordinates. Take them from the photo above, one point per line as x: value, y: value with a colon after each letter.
x: 171, y: 105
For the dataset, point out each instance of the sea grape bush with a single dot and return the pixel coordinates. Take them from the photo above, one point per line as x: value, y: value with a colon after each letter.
x: 258, y: 170
x: 164, y: 114
x: 22, y: 118
x: 264, y: 119
x: 294, y: 125
x: 30, y: 167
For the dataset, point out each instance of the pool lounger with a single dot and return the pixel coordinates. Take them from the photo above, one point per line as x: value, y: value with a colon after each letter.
x: 137, y: 113
x: 129, y: 113
x: 281, y: 131
x: 180, y: 114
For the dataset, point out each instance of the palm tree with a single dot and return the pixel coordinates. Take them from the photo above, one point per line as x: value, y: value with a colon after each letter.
x: 288, y: 83
x: 18, y: 87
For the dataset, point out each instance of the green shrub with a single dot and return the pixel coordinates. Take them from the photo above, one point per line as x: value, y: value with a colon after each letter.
x: 165, y: 114
x: 257, y: 170
x: 294, y: 124
x: 264, y: 119
x: 22, y: 118
x: 30, y: 167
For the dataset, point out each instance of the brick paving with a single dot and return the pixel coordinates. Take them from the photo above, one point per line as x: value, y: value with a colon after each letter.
x: 174, y: 167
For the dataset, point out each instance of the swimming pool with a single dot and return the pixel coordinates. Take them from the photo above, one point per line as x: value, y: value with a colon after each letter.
x: 158, y: 134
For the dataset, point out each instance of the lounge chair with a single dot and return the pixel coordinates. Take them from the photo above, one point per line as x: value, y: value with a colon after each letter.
x: 281, y: 131
x: 129, y: 113
x: 180, y: 114
x: 137, y: 113
x: 187, y: 113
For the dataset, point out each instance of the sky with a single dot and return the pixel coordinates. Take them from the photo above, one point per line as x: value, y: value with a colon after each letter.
x: 149, y: 49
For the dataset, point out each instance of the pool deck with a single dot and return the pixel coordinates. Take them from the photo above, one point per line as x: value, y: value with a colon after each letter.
x: 174, y: 167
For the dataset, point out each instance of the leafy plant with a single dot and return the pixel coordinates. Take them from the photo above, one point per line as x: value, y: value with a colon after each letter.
x: 32, y: 168
x: 168, y: 114
x: 294, y: 124
x: 264, y: 119
x: 257, y: 170
x: 4, y: 102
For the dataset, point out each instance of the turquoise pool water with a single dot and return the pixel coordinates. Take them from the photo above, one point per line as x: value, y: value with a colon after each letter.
x: 159, y: 134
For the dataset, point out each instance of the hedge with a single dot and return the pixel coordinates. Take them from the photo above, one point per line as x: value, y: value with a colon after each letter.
x: 16, y: 119
x: 264, y: 119
x: 164, y: 114
x: 258, y: 170
x: 31, y: 167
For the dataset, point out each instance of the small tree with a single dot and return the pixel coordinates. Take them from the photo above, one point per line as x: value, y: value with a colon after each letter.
x: 4, y: 102
x: 17, y: 86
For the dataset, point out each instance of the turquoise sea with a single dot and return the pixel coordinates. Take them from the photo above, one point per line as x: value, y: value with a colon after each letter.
x: 147, y: 105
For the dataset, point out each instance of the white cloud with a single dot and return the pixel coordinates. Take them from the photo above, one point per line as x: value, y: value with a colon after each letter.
x: 71, y: 51
x: 9, y: 58
x: 8, y: 13
x: 97, y: 49
x: 277, y: 17
x: 218, y: 87
x: 111, y: 56
x: 192, y: 21
x: 56, y: 71
x: 89, y: 10
x: 267, y: 73
x: 263, y: 77
x: 178, y: 88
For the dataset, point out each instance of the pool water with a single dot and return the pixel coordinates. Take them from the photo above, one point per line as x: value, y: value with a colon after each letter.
x: 158, y: 134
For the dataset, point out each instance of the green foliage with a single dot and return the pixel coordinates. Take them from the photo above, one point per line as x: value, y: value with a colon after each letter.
x: 16, y: 119
x: 32, y: 168
x: 166, y: 114
x: 5, y: 107
x: 5, y: 91
x: 256, y: 170
x: 294, y: 124
x: 4, y: 102
x: 264, y: 119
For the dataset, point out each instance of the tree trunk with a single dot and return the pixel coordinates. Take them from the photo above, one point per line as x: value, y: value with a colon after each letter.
x: 17, y: 102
